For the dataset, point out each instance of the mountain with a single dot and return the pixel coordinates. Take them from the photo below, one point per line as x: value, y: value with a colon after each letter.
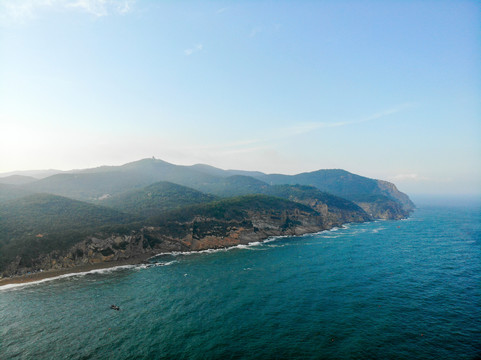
x: 158, y: 197
x: 133, y: 211
x: 17, y: 179
x: 211, y: 170
x: 36, y: 174
x: 347, y: 185
x: 337, y: 182
x: 92, y: 184
x: 40, y: 223
x: 234, y: 185
x: 102, y: 182
x: 43, y: 231
x: 334, y: 209
x: 10, y: 192
x: 163, y: 196
x: 218, y: 224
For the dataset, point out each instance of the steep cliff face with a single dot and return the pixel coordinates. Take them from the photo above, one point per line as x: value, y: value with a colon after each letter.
x: 387, y: 210
x: 365, y: 192
x: 196, y: 234
x: 391, y: 191
x: 334, y: 216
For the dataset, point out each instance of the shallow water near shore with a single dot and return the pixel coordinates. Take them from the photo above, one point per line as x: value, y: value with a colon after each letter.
x: 383, y: 290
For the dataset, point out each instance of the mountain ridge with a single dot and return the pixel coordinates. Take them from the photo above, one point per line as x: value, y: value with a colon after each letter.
x: 113, y: 213
x: 90, y: 184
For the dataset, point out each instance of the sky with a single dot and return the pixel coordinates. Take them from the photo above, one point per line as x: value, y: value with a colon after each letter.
x: 384, y: 89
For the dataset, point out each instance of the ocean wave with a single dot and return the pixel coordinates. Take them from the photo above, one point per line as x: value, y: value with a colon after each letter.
x: 331, y: 236
x: 155, y: 264
x: 374, y: 231
x: 248, y: 246
x: 255, y: 245
x: 275, y: 238
x: 69, y: 275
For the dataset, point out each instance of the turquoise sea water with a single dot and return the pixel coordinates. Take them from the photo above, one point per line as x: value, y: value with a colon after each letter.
x: 384, y: 290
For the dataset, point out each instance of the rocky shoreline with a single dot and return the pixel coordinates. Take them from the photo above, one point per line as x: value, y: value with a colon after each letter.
x: 54, y: 273
x: 181, y: 233
x: 150, y: 253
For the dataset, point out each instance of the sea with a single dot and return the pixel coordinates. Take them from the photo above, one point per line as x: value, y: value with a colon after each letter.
x: 408, y: 289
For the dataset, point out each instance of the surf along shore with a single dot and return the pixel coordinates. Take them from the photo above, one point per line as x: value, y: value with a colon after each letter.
x: 137, y: 260
x: 53, y: 273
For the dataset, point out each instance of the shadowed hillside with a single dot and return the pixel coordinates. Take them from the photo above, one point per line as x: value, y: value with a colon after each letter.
x: 158, y: 197
x: 42, y: 223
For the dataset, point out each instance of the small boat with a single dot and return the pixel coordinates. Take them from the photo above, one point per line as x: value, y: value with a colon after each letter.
x: 114, y: 307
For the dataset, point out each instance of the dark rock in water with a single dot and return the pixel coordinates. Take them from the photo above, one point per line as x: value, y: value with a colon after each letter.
x: 114, y: 307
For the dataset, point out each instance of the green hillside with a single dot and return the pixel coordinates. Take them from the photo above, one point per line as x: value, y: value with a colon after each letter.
x: 42, y: 223
x: 231, y: 208
x: 236, y: 185
x: 92, y: 184
x: 306, y: 193
x: 17, y: 179
x: 99, y: 183
x: 10, y: 192
x: 156, y: 198
x: 344, y: 184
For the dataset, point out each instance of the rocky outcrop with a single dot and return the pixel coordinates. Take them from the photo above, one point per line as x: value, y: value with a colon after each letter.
x: 332, y: 216
x: 198, y: 233
x: 385, y: 210
x: 391, y: 191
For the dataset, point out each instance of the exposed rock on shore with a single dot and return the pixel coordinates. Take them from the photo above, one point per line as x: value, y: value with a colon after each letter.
x: 195, y: 232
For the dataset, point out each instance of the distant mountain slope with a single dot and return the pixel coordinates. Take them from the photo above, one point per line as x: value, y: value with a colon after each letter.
x: 235, y: 185
x: 44, y: 231
x: 41, y: 223
x: 158, y: 197
x: 10, y: 192
x: 335, y: 210
x: 211, y: 170
x: 344, y: 184
x: 334, y: 181
x: 97, y: 183
x: 37, y: 174
x: 92, y: 184
x: 17, y: 179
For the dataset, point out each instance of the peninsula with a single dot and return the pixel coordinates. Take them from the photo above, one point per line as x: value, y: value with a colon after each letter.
x: 116, y: 215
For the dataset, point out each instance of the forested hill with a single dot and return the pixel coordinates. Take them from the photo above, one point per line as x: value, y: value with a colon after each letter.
x: 100, y: 183
x: 42, y: 231
x: 41, y: 223
x: 159, y: 197
x: 91, y: 215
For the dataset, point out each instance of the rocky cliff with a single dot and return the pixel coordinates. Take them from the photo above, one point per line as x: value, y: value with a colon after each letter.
x: 198, y: 230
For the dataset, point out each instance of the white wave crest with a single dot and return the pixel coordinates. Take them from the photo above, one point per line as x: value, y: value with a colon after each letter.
x: 75, y: 274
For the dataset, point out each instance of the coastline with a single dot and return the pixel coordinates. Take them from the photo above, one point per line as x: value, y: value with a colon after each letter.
x: 136, y: 260
x: 54, y: 273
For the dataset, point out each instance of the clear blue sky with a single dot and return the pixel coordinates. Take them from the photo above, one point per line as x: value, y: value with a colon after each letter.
x: 385, y: 89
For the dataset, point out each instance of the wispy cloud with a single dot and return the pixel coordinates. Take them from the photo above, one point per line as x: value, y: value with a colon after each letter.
x: 102, y: 7
x: 196, y: 48
x: 303, y: 128
x: 408, y: 177
x: 21, y: 11
x: 254, y: 144
x: 220, y: 11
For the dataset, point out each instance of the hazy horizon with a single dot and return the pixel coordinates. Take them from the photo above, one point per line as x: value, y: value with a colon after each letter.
x: 385, y: 90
